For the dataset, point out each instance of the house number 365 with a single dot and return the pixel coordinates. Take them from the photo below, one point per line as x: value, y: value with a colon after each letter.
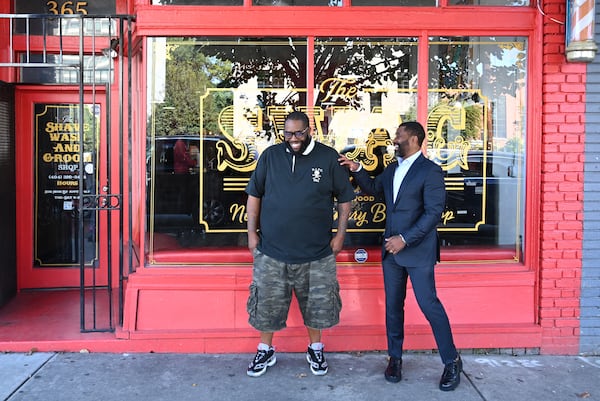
x: 67, y: 7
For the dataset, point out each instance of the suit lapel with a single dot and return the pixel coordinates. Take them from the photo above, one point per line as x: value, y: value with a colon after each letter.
x: 388, y: 186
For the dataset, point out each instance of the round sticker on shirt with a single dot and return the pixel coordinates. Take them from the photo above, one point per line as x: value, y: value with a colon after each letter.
x: 361, y: 255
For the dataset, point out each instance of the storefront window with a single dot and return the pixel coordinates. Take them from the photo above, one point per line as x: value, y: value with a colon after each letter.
x: 216, y: 103
x: 364, y: 88
x: 330, y: 3
x: 244, y: 87
x: 198, y: 2
x: 410, y: 3
x: 338, y: 3
x: 520, y: 3
x: 476, y: 132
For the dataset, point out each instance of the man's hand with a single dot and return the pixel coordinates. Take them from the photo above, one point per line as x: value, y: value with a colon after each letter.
x: 337, y: 243
x: 394, y: 244
x: 253, y: 213
x: 252, y: 240
x: 352, y: 165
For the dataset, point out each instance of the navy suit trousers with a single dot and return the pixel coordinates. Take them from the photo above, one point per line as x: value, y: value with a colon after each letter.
x: 423, y: 282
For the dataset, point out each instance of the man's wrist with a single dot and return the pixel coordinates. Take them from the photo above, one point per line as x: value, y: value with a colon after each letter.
x: 403, y: 240
x: 358, y: 168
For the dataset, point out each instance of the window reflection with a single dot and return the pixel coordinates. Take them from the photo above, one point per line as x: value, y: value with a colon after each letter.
x: 338, y: 3
x: 330, y: 3
x: 412, y: 3
x: 476, y: 131
x: 98, y: 69
x: 198, y: 2
x: 357, y: 94
x: 521, y: 3
x: 243, y: 88
x: 364, y: 87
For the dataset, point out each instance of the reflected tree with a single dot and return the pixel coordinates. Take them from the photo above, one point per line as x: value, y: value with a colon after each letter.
x: 368, y: 63
x: 188, y: 75
x: 461, y: 68
x: 467, y: 62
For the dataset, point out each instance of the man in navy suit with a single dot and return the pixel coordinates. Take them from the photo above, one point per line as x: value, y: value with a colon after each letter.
x: 415, y: 197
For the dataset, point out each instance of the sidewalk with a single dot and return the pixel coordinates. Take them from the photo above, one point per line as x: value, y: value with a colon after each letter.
x: 352, y: 376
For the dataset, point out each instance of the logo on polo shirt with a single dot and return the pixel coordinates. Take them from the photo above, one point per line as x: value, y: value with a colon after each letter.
x: 317, y: 173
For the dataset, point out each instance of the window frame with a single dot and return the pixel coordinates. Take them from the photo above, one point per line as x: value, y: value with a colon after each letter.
x: 348, y: 21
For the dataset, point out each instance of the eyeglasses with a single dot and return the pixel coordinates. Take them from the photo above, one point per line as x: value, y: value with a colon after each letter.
x: 297, y: 134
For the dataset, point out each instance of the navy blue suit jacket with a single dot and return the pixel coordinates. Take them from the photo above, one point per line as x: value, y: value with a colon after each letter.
x: 416, y: 212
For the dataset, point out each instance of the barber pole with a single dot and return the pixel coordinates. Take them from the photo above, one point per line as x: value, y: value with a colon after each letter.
x: 580, y: 31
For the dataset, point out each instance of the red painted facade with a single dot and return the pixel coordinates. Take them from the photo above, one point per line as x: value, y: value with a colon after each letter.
x: 561, y: 209
x: 200, y: 306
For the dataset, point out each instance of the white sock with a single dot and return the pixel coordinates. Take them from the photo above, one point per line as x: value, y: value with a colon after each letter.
x: 264, y: 347
x: 316, y: 346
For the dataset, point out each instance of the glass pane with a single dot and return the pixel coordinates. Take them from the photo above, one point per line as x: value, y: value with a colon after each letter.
x: 198, y: 2
x: 57, y: 161
x: 330, y: 3
x: 476, y: 131
x: 522, y: 3
x: 65, y: 25
x: 412, y: 3
x: 364, y: 87
x: 200, y: 162
x: 65, y: 69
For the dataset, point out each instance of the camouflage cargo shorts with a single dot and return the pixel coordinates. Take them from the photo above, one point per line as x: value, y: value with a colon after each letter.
x: 314, y: 283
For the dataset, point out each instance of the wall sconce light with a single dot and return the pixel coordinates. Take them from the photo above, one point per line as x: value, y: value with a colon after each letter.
x: 579, y: 33
x: 112, y: 51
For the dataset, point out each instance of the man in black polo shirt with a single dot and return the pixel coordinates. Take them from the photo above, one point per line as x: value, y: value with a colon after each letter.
x: 290, y: 213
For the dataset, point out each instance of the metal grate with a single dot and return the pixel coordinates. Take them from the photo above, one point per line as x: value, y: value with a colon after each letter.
x: 84, y: 51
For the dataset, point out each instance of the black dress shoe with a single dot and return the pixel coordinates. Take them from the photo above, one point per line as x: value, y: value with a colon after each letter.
x: 393, y: 372
x: 451, y: 376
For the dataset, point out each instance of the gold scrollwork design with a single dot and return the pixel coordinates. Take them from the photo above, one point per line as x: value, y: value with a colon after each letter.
x: 233, y: 153
x: 449, y: 153
x: 371, y: 155
x: 512, y: 45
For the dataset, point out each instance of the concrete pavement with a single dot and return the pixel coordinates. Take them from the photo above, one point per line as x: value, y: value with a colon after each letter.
x: 352, y: 376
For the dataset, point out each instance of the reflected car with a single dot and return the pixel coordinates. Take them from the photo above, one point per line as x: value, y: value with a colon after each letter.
x: 481, y: 209
x: 483, y: 196
x: 174, y: 196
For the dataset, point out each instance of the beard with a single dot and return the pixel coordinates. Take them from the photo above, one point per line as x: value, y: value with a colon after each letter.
x: 303, y: 145
x: 401, y: 149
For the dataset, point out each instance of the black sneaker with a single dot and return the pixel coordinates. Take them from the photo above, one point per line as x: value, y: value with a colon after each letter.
x: 317, y: 362
x: 262, y: 360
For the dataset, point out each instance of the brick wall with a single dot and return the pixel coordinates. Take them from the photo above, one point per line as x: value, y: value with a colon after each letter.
x: 562, y: 165
x: 590, y: 287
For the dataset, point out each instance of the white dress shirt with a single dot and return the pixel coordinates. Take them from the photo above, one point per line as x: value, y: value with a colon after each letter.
x: 401, y: 170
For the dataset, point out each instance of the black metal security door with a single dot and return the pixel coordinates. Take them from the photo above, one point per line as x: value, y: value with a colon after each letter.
x: 88, y: 139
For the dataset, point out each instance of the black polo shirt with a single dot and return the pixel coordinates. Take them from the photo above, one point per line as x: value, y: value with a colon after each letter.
x: 297, y: 198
